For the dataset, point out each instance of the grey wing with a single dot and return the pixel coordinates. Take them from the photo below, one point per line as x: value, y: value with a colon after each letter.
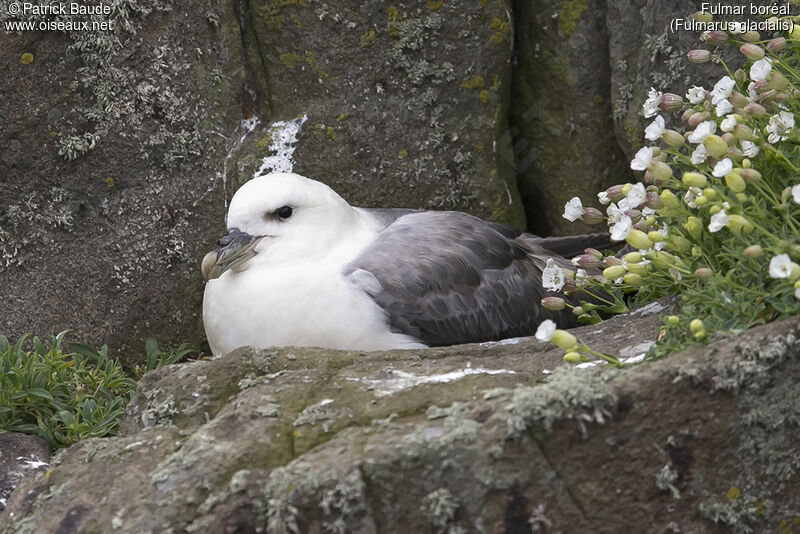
x: 448, y: 278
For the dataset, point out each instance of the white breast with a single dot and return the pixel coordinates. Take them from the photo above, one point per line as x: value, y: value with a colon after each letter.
x: 303, y: 304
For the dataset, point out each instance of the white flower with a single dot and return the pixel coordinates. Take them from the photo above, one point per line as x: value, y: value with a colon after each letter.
x: 642, y: 159
x: 636, y: 195
x: 700, y: 154
x: 703, y: 130
x: 779, y: 125
x: 546, y: 330
x: 602, y: 196
x: 749, y: 148
x: 760, y: 69
x: 696, y: 94
x: 780, y: 266
x: 650, y: 106
x: 620, y: 224
x: 552, y: 276
x: 752, y: 94
x: 722, y: 168
x: 723, y: 108
x: 656, y: 128
x: 573, y: 209
x: 796, y: 194
x: 690, y: 196
x: 718, y: 221
x: 722, y: 89
x: 728, y: 123
x: 647, y: 212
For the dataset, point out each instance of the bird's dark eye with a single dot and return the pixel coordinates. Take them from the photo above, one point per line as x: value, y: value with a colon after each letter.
x: 284, y: 212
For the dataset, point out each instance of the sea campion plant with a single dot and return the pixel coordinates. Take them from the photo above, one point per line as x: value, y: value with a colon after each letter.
x: 716, y: 216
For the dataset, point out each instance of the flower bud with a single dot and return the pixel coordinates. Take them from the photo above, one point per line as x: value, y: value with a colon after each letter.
x: 715, y: 37
x: 662, y: 260
x: 668, y: 198
x: 673, y: 320
x: 610, y: 261
x: 670, y: 102
x: 678, y: 243
x: 697, y: 118
x: 776, y: 45
x: 739, y: 75
x: 591, y: 216
x: 632, y: 257
x: 699, y: 56
x: 739, y: 224
x: 553, y: 303
x: 700, y: 16
x: 750, y: 36
x: 703, y: 273
x: 735, y: 182
x: 756, y: 110
x: 686, y: 114
x: 693, y: 179
x: 614, y: 193
x: 586, y: 261
x: 633, y: 279
x: 638, y: 268
x: 751, y: 51
x: 777, y: 81
x: 701, y: 201
x: 634, y: 214
x: 746, y: 163
x: 593, y: 252
x: 716, y: 146
x: 573, y: 357
x: 729, y: 138
x: 613, y: 272
x: 564, y: 339
x: 696, y: 325
x: 653, y: 201
x: 655, y: 236
x: 710, y: 193
x: 694, y: 226
x: 750, y: 175
x: 753, y: 251
x: 672, y: 138
x: 638, y: 239
x: 742, y: 131
x: 660, y: 170
x: 640, y: 225
x: 737, y: 99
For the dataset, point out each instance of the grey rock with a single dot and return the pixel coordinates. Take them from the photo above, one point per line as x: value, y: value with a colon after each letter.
x: 445, y: 440
x: 21, y: 456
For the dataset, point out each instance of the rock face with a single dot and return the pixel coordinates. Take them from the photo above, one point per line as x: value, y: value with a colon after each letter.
x: 476, y: 438
x: 21, y: 456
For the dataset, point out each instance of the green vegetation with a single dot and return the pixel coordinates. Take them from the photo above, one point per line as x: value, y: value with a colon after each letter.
x: 716, y: 216
x: 64, y: 392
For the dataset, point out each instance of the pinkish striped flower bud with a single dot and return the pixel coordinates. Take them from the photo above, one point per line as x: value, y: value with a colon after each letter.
x: 592, y: 216
x: 739, y: 75
x: 610, y: 261
x: 755, y: 110
x: 782, y: 97
x: 715, y: 37
x: 553, y: 303
x: 703, y: 273
x: 750, y: 175
x: 775, y: 79
x: 729, y: 138
x: 737, y: 99
x: 751, y: 51
x: 670, y: 102
x: 686, y: 114
x: 615, y: 193
x: 634, y: 214
x: 697, y: 118
x: 776, y: 45
x: 593, y: 252
x: 653, y: 201
x: 586, y: 261
x: 699, y: 56
x: 753, y: 251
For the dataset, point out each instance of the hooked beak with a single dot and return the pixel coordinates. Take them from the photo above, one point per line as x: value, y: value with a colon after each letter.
x: 233, y: 249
